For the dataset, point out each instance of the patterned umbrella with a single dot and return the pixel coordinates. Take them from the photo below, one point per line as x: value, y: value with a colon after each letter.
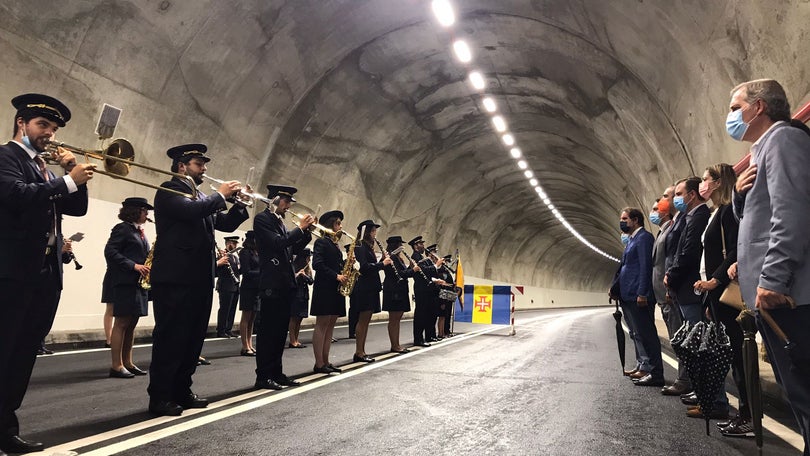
x: 685, y: 343
x: 619, y: 332
x: 711, y: 366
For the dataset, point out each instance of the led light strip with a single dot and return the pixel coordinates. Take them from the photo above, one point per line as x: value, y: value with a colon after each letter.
x: 446, y: 16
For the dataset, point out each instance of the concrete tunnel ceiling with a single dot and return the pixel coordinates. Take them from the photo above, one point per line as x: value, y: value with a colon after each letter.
x: 363, y: 107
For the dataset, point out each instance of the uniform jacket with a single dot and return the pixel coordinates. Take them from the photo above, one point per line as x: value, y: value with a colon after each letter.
x: 123, y: 251
x: 659, y: 263
x: 395, y: 289
x: 635, y: 273
x: 184, y: 246
x: 685, y: 269
x: 27, y: 206
x: 249, y: 267
x: 420, y: 285
x: 370, y: 268
x: 773, y: 240
x: 276, y: 249
x: 327, y: 262
x: 225, y: 282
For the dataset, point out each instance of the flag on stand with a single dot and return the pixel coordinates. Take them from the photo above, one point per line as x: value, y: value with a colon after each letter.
x: 460, y: 280
x: 488, y: 304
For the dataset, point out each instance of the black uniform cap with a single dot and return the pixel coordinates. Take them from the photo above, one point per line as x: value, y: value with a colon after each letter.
x: 137, y: 202
x: 448, y: 257
x: 43, y: 105
x: 416, y: 240
x: 232, y: 238
x: 432, y: 247
x: 184, y: 153
x: 285, y: 191
x: 330, y: 214
x: 394, y: 240
x: 368, y: 223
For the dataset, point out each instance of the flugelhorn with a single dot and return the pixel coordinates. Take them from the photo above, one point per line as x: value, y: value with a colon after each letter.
x: 118, y: 157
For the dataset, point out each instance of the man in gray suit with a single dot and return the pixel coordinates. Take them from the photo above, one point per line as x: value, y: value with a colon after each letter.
x: 772, y: 200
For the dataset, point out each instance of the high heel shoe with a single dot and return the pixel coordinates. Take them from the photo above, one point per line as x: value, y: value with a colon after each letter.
x: 363, y: 359
x: 123, y: 373
x: 247, y: 353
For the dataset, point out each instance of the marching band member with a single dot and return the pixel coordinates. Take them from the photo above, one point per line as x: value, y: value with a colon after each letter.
x: 249, y: 299
x: 182, y: 278
x: 126, y: 252
x: 422, y: 290
x: 327, y: 302
x: 444, y: 307
x: 366, y: 295
x: 277, y: 283
x: 228, y: 287
x: 395, y: 291
x: 299, y: 310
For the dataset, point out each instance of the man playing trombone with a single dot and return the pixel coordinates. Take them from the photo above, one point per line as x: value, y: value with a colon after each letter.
x: 32, y: 202
x: 182, y: 276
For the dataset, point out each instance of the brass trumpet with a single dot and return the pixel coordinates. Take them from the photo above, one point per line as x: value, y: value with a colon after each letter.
x: 245, y: 198
x: 316, y: 228
x: 118, y: 157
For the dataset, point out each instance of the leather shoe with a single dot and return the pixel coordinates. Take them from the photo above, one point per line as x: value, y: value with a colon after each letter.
x: 649, y: 380
x: 676, y: 389
x: 689, y: 399
x: 164, y: 408
x: 713, y: 415
x: 17, y: 444
x: 247, y: 353
x: 223, y: 335
x: 334, y: 369
x: 401, y: 350
x: 422, y: 344
x: 630, y: 372
x: 136, y: 371
x: 322, y: 370
x: 123, y: 373
x: 203, y: 362
x: 193, y: 401
x: 267, y: 384
x: 639, y: 374
x: 286, y: 381
x: 363, y: 359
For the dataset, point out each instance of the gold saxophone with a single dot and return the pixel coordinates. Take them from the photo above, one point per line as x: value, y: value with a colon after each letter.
x: 348, y: 270
x: 144, y: 281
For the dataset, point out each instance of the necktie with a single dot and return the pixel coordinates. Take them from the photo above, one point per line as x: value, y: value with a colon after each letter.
x: 42, y: 170
x: 140, y: 230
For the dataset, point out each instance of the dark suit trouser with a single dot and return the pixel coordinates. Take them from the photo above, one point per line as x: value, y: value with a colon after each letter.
x: 644, y: 321
x: 272, y: 334
x: 421, y: 317
x: 181, y: 321
x: 792, y: 370
x: 671, y: 315
x: 228, y: 301
x: 727, y: 316
x: 27, y: 310
x: 354, y: 315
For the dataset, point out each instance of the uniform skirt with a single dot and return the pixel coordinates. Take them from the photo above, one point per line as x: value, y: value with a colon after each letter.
x: 107, y: 289
x: 364, y: 301
x: 130, y: 301
x: 300, y: 303
x: 249, y: 300
x: 327, y: 301
x: 396, y: 301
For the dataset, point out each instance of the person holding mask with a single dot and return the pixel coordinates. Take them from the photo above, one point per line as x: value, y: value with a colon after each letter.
x: 366, y: 295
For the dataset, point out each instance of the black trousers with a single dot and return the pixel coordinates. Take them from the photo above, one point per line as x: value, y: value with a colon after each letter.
x: 727, y: 315
x: 181, y: 320
x: 27, y: 310
x: 354, y: 315
x: 421, y: 317
x: 272, y: 333
x: 228, y: 302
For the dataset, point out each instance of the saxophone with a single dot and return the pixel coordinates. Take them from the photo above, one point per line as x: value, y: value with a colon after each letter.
x: 144, y: 280
x: 348, y: 270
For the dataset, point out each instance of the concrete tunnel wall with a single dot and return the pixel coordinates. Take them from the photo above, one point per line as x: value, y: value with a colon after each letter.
x: 361, y: 105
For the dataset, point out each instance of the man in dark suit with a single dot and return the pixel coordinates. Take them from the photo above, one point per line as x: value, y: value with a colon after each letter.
x: 228, y: 272
x: 182, y: 277
x: 685, y: 268
x: 32, y: 202
x: 276, y: 283
x: 635, y: 291
x: 422, y: 291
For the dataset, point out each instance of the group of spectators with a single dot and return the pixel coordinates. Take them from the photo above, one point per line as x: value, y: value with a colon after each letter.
x: 745, y: 223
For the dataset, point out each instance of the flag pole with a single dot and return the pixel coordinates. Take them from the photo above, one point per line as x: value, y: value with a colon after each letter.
x: 512, y: 316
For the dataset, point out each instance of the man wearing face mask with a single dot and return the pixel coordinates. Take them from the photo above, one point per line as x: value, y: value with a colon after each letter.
x: 685, y: 269
x: 772, y: 200
x: 633, y: 287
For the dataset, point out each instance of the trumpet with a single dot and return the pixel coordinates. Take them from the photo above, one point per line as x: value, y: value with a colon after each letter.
x: 316, y: 228
x: 242, y: 197
x: 118, y: 158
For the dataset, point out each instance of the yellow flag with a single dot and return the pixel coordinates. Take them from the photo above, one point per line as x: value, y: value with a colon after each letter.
x: 460, y: 281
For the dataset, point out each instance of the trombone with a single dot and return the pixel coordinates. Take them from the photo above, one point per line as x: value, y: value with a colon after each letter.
x: 118, y: 157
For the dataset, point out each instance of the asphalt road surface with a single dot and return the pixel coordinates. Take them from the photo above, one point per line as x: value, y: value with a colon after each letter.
x: 554, y: 388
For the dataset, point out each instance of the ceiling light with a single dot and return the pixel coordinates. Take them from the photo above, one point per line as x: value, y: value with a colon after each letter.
x: 508, y: 139
x: 489, y: 104
x: 444, y: 12
x: 532, y: 182
x: 528, y: 173
x: 515, y: 152
x: 500, y: 125
x: 462, y: 51
x: 477, y: 80
x: 547, y: 201
x: 522, y: 164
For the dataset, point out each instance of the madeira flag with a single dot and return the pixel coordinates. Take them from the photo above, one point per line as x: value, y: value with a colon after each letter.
x: 486, y: 304
x: 460, y: 279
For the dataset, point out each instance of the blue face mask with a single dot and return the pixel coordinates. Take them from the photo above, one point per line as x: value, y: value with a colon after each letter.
x: 735, y: 126
x: 679, y: 203
x: 655, y: 218
x: 625, y: 238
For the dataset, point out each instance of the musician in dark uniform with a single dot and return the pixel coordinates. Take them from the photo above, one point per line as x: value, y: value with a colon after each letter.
x: 228, y: 287
x: 32, y: 203
x: 327, y: 302
x: 432, y: 265
x: 444, y: 307
x: 249, y: 299
x: 423, y: 294
x: 126, y: 252
x: 365, y: 297
x: 300, y: 305
x: 182, y: 277
x: 395, y: 290
x: 276, y: 283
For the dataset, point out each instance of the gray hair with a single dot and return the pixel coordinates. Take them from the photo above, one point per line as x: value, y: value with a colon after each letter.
x: 769, y: 91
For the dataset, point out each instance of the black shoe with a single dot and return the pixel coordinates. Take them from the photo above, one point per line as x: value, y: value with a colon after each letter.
x: 223, y: 335
x: 286, y: 381
x: 363, y: 359
x: 247, y: 353
x: 164, y: 408
x: 421, y: 344
x: 17, y: 444
x: 136, y: 371
x: 352, y: 336
x: 333, y: 368
x: 123, y: 373
x: 649, y: 380
x: 41, y: 352
x: 334, y: 340
x: 322, y: 370
x: 676, y: 389
x: 193, y: 401
x: 267, y: 384
x: 106, y: 345
x: 231, y: 335
x: 402, y: 350
x: 203, y: 362
x: 689, y: 399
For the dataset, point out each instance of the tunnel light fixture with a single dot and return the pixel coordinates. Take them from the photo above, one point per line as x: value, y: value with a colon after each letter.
x: 522, y: 164
x: 444, y: 12
x: 477, y: 80
x: 489, y: 104
x: 499, y: 123
x: 462, y: 51
x: 528, y: 173
x: 515, y: 152
x: 533, y: 182
x: 508, y: 139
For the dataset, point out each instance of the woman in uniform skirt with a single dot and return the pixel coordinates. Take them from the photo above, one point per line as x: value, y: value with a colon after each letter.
x: 365, y: 297
x: 249, y: 299
x: 126, y: 252
x: 327, y: 302
x: 300, y: 305
x: 396, y: 300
